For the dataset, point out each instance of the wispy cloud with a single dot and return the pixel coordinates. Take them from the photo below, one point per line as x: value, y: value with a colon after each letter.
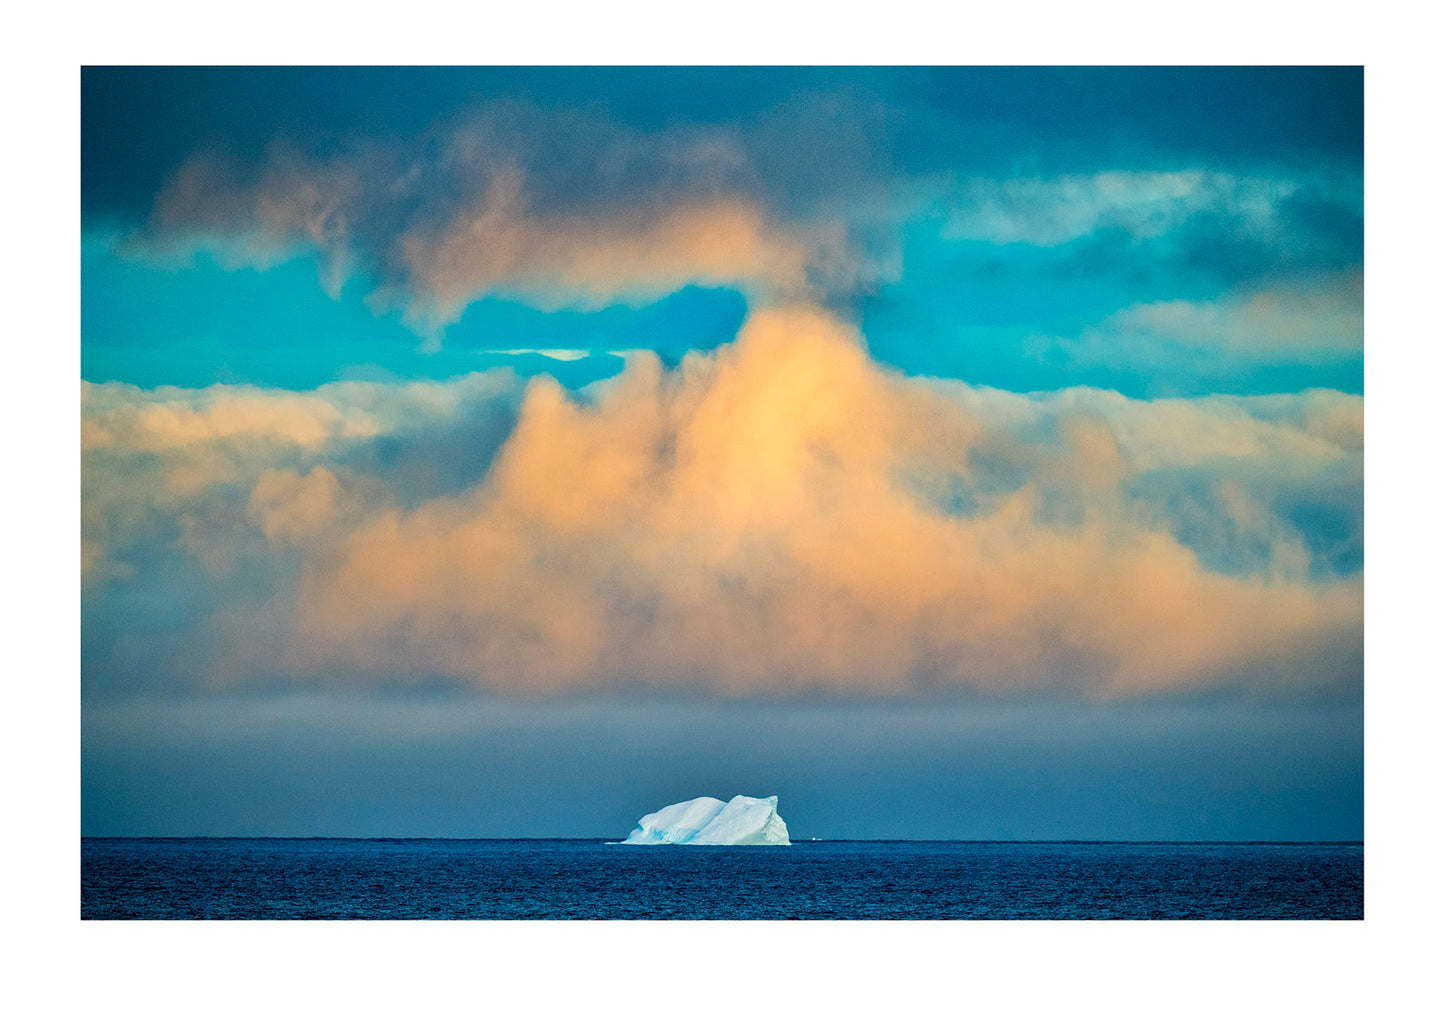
x: 1314, y: 323
x: 1326, y: 320
x: 1142, y: 204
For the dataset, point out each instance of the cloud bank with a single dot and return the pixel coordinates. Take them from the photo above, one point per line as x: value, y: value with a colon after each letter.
x: 779, y: 516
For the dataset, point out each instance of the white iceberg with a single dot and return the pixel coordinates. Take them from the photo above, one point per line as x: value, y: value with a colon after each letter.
x: 743, y: 820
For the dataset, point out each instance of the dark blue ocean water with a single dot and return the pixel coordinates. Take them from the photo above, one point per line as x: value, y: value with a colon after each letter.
x: 591, y: 879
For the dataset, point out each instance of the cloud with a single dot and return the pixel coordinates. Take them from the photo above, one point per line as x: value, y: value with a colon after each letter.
x: 126, y: 417
x: 1142, y: 204
x: 210, y: 464
x: 1317, y: 323
x: 498, y: 246
x: 175, y: 417
x: 1305, y: 429
x: 1267, y: 323
x: 778, y: 516
x: 558, y: 208
x: 289, y: 505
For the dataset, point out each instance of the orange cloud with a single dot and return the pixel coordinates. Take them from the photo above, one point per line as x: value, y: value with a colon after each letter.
x: 494, y: 233
x: 759, y: 521
x: 501, y: 245
x: 115, y: 415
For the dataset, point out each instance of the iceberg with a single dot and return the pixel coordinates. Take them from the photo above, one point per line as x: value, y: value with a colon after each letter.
x: 743, y: 820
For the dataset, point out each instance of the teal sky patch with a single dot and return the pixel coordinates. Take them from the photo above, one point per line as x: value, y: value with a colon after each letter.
x: 150, y: 324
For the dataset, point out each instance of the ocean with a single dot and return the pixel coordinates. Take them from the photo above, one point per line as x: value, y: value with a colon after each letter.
x: 195, y: 878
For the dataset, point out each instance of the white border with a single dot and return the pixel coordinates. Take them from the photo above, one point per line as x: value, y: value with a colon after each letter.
x: 854, y: 969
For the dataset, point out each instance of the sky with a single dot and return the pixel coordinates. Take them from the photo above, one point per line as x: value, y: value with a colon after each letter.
x: 954, y: 453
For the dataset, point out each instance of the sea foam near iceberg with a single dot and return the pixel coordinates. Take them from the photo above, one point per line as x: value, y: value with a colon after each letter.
x: 743, y: 820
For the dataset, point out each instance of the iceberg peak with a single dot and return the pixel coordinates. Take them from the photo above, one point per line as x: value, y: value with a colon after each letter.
x: 743, y: 820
